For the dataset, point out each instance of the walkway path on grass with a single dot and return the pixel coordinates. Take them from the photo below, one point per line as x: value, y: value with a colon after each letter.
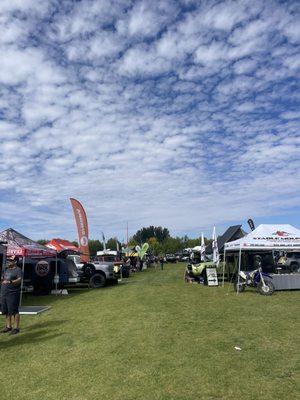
x: 155, y: 337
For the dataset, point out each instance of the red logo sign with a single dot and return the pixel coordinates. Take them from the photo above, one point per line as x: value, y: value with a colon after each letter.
x: 281, y: 234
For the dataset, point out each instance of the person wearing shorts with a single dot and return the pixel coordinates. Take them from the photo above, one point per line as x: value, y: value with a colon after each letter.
x: 10, y: 296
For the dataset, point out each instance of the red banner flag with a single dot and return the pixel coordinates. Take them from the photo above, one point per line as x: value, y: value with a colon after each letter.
x: 82, y: 228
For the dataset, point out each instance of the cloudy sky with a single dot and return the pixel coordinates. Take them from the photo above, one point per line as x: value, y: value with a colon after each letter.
x: 176, y: 113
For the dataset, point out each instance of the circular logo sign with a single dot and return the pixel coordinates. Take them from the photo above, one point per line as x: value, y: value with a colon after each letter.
x: 84, y: 241
x: 42, y: 268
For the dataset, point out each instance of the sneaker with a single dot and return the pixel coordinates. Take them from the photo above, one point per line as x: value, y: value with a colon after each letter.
x: 15, y: 331
x: 6, y: 329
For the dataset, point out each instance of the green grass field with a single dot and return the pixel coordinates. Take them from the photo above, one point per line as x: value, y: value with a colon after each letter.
x: 155, y: 337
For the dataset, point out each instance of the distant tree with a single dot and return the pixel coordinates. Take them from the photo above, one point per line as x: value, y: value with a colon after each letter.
x: 190, y: 243
x: 75, y: 243
x: 42, y: 241
x: 172, y: 245
x: 94, y: 246
x: 112, y: 244
x: 157, y: 232
x: 132, y: 242
x: 154, y: 246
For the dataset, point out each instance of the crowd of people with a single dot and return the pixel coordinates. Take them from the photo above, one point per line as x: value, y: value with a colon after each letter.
x: 135, y: 264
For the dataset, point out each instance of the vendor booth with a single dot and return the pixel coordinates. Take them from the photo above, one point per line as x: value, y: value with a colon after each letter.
x: 32, y: 254
x: 268, y: 241
x: 15, y: 244
x: 40, y: 265
x: 43, y: 267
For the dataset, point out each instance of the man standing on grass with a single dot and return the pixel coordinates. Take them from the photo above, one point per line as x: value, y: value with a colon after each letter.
x: 162, y: 261
x: 10, y: 296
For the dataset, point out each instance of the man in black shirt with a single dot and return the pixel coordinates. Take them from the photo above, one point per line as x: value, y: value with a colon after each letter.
x: 10, y: 296
x: 162, y: 261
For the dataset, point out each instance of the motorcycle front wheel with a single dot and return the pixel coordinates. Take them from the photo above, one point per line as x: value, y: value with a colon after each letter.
x: 238, y: 287
x: 267, y: 289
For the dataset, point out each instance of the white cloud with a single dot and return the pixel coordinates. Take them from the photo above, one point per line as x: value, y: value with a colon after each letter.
x: 291, y: 115
x: 147, y: 112
x: 143, y: 60
x: 292, y: 30
x: 146, y: 18
x: 245, y: 66
x: 292, y: 62
x: 211, y: 53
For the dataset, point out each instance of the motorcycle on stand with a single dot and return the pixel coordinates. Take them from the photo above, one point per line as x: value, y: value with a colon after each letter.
x: 256, y: 278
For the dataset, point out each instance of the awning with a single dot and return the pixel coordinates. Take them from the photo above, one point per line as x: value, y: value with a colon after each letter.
x: 20, y: 245
x: 61, y: 245
x: 268, y: 237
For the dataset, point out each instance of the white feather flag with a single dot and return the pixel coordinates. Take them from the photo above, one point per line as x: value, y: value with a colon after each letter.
x: 216, y: 258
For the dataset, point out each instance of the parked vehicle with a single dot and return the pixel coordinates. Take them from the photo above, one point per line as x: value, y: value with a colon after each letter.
x: 257, y: 279
x: 171, y: 258
x: 292, y: 262
x: 121, y: 269
x: 195, y: 273
x: 185, y: 258
x: 39, y: 274
x: 96, y: 273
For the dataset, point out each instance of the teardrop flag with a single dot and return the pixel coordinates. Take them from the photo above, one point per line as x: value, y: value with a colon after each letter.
x: 82, y: 228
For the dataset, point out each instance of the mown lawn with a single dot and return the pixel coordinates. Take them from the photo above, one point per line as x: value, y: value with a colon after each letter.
x: 155, y: 337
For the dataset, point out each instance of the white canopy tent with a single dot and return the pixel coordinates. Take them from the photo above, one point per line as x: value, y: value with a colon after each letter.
x: 196, y: 248
x: 265, y: 237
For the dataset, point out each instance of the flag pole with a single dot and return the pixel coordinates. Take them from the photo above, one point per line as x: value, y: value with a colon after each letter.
x: 56, y: 277
x: 22, y: 280
x: 238, y: 280
x: 224, y: 265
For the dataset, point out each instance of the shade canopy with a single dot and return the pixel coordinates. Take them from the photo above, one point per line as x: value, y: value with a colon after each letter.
x: 197, y: 248
x: 234, y: 232
x: 20, y: 245
x: 107, y: 252
x: 266, y: 237
x: 61, y: 245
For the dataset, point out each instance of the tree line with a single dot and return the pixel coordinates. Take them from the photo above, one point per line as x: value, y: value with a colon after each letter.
x: 159, y: 239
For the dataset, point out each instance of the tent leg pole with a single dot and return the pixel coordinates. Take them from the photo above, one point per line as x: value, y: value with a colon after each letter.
x: 56, y: 275
x: 23, y: 269
x: 228, y: 272
x: 238, y: 277
x: 224, y: 265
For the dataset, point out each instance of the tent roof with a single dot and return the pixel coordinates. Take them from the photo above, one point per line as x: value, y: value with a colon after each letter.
x: 232, y: 233
x: 20, y: 245
x: 61, y: 245
x: 268, y: 237
x: 107, y: 252
x: 196, y: 248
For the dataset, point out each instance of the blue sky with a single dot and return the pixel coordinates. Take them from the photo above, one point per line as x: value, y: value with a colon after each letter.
x: 183, y: 114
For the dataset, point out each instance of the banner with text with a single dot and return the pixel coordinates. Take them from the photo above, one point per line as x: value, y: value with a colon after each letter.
x: 82, y: 228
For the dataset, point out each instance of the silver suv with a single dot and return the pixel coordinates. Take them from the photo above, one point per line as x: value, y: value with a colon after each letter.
x: 96, y: 273
x: 292, y: 261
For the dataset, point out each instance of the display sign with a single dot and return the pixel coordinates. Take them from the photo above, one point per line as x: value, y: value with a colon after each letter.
x: 212, y: 277
x: 42, y: 268
x: 251, y: 224
x: 82, y: 228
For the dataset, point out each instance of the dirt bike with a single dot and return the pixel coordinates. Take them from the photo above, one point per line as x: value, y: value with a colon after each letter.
x: 257, y: 279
